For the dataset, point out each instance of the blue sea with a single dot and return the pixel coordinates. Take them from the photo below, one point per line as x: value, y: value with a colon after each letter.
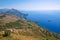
x: 46, y: 19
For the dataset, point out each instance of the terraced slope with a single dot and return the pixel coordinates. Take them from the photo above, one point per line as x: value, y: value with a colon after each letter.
x: 15, y: 28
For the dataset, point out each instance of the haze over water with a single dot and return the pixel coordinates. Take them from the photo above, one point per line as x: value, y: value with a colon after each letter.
x: 38, y: 10
x: 49, y: 21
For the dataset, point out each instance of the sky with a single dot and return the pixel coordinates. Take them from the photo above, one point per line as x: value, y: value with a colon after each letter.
x: 30, y: 4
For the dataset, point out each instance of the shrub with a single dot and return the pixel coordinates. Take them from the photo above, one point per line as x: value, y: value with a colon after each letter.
x: 6, y: 33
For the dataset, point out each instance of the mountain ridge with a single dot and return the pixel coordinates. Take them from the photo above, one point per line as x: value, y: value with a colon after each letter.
x: 16, y: 28
x: 13, y: 12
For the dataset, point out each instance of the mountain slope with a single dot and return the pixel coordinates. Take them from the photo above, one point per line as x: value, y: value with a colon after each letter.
x: 16, y: 28
x: 13, y: 12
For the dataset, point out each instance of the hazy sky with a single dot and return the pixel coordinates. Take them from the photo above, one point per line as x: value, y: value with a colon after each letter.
x: 31, y: 4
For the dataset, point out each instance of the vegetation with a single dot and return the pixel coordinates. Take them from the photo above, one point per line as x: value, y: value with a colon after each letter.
x: 21, y: 29
x: 2, y: 16
x: 6, y: 33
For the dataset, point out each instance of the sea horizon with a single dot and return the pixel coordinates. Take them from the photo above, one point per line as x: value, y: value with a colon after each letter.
x: 47, y: 19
